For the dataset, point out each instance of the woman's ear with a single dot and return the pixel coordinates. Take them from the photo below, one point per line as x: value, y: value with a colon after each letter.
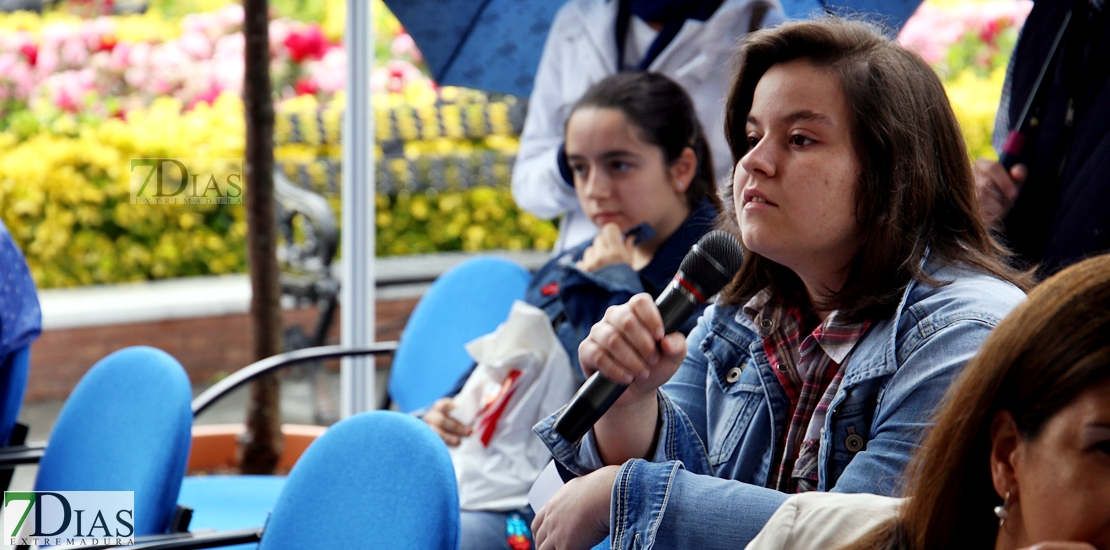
x: 683, y: 170
x: 1005, y: 441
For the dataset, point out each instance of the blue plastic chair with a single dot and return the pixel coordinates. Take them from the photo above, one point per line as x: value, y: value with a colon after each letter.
x: 380, y: 479
x: 126, y: 427
x: 469, y: 300
x: 375, y: 480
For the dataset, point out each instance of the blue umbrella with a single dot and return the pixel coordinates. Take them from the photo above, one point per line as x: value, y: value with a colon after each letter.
x: 495, y: 45
x: 893, y: 13
x: 492, y: 45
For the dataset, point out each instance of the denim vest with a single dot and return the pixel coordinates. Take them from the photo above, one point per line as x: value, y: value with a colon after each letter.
x: 723, y: 411
x: 575, y: 300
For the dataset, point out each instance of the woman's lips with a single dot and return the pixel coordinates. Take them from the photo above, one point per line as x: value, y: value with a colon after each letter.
x: 603, y: 218
x: 755, y: 199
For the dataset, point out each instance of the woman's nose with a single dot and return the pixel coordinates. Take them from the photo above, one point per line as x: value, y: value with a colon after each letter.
x: 759, y: 159
x: 597, y: 185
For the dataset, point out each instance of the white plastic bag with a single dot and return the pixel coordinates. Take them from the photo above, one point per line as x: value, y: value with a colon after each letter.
x: 523, y: 375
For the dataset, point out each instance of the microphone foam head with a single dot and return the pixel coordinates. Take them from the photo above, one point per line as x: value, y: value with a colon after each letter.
x: 712, y: 263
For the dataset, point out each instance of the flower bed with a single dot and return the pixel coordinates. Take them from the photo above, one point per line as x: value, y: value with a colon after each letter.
x: 79, y: 97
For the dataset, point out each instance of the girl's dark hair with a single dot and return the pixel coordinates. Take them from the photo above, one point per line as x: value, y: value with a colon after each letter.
x: 1050, y: 349
x: 916, y: 193
x: 665, y: 117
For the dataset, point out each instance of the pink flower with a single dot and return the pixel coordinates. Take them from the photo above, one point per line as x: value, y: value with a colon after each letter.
x: 117, y: 60
x: 208, y: 97
x: 330, y: 73
x: 140, y: 54
x: 306, y: 86
x: 404, y: 46
x: 74, y: 53
x: 136, y: 77
x: 195, y: 44
x: 30, y: 52
x: 307, y: 44
x: 46, y: 62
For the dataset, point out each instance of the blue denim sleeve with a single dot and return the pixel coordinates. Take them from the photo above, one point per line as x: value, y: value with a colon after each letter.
x: 662, y: 505
x: 929, y: 360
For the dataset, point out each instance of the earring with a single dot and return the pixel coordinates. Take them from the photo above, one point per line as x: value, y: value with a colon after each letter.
x: 1003, y: 510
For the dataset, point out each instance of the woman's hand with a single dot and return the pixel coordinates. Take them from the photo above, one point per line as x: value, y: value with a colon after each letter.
x: 628, y: 346
x: 610, y: 247
x: 452, y: 431
x: 578, y: 515
x: 996, y: 189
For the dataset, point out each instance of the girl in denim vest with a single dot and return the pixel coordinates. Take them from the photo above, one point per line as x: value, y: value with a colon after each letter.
x: 640, y: 160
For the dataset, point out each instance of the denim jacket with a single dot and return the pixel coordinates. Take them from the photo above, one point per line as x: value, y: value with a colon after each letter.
x: 724, y: 409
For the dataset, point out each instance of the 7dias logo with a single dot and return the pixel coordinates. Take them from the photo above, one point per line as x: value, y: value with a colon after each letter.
x: 186, y: 181
x: 76, y: 518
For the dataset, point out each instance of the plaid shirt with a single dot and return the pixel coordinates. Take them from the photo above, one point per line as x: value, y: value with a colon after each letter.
x: 809, y: 371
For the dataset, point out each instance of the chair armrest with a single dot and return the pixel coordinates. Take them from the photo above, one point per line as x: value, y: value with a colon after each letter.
x: 15, y: 455
x: 280, y: 361
x: 182, y: 541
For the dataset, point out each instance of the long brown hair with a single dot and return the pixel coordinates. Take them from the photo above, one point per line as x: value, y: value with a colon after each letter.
x: 1041, y: 357
x: 915, y: 195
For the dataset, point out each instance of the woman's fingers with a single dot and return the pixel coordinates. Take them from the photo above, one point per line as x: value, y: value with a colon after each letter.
x: 438, y: 417
x: 539, y: 535
x: 622, y: 345
x: 997, y: 188
x: 609, y: 247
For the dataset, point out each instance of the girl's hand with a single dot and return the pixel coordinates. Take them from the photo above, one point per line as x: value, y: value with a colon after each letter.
x: 628, y: 347
x: 577, y: 517
x: 452, y: 431
x: 610, y: 247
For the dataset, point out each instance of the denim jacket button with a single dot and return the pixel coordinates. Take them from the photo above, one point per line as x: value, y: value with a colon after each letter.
x: 766, y: 323
x: 854, y: 441
x: 733, y: 375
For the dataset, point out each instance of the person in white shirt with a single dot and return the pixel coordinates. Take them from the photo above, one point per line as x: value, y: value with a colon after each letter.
x: 690, y: 41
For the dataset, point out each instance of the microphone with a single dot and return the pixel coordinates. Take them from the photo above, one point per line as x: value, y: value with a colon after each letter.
x: 705, y: 270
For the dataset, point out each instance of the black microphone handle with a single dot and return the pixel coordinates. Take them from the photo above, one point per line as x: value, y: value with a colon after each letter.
x: 676, y: 304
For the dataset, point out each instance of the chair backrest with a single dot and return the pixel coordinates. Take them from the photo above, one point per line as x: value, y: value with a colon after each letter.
x: 469, y: 300
x: 13, y: 383
x: 375, y: 480
x: 126, y: 427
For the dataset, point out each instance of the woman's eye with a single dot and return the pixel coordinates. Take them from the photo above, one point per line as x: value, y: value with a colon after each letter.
x: 752, y: 142
x: 800, y: 140
x: 620, y: 166
x: 1103, y: 447
x: 579, y: 169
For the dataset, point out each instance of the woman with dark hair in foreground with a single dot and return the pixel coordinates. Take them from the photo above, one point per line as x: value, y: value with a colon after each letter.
x: 1020, y: 454
x: 869, y: 281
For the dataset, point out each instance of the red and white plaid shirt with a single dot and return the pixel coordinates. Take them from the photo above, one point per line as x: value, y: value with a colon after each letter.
x: 809, y: 371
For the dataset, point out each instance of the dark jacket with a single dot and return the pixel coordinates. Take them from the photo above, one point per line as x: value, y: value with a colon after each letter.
x: 1063, y: 212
